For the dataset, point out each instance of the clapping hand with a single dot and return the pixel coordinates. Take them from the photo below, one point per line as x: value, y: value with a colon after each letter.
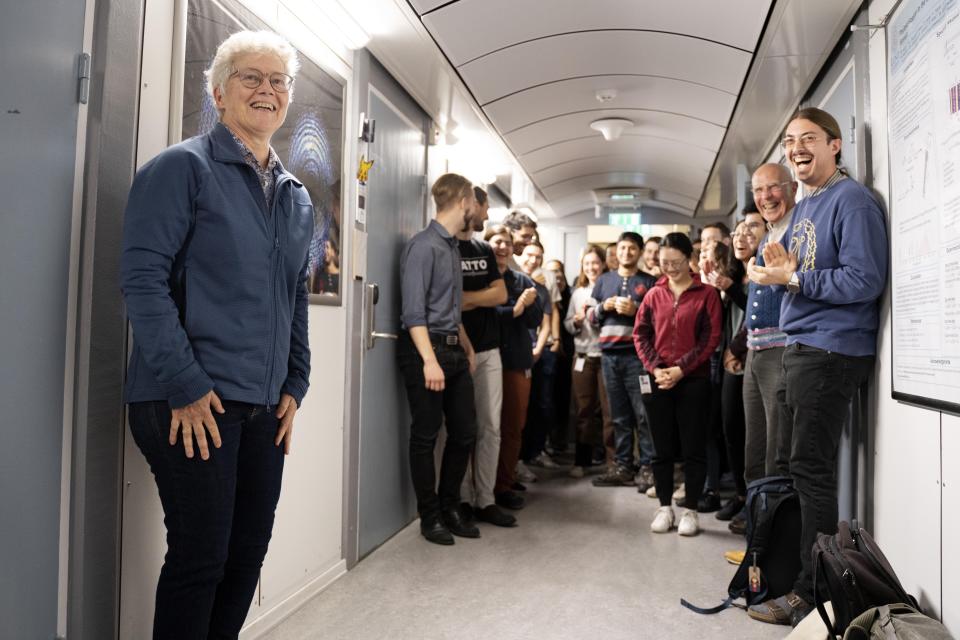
x: 779, y: 266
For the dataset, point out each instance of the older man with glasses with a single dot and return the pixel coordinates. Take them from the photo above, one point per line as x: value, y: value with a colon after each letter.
x: 774, y: 192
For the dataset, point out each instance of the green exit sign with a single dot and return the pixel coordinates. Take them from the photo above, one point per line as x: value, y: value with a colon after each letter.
x: 627, y: 221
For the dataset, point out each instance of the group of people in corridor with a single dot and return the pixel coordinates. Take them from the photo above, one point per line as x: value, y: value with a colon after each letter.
x: 772, y: 329
x: 763, y: 336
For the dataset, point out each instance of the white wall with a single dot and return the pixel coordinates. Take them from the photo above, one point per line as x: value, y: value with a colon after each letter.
x: 911, y: 484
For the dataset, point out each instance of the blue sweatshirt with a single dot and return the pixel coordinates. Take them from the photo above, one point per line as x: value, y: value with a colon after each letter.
x: 840, y: 237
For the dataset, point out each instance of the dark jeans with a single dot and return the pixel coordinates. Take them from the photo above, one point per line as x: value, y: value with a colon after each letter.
x: 219, y: 517
x: 621, y: 377
x: 543, y: 408
x: 428, y: 410
x: 682, y: 411
x: 815, y: 390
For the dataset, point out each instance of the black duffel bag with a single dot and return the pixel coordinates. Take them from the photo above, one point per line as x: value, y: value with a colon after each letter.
x: 852, y: 573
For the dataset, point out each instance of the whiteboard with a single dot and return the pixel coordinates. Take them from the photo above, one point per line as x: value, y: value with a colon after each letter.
x: 923, y: 85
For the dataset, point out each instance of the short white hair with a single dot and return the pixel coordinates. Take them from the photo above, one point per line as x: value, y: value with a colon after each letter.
x: 244, y: 43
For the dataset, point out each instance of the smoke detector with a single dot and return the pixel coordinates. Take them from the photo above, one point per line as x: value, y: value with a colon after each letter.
x: 606, y: 95
x: 611, y: 128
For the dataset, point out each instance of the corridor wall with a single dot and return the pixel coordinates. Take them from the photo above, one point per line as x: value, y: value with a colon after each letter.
x: 915, y: 475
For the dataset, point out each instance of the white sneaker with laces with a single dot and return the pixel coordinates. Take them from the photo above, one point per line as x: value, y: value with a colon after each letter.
x: 662, y: 521
x: 652, y: 492
x: 576, y: 472
x: 689, y: 523
x: 524, y: 474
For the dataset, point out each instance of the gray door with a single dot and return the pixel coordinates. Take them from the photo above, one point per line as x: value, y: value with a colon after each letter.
x: 395, y: 211
x: 38, y: 129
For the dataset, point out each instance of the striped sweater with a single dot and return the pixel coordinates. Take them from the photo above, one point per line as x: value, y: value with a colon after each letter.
x: 616, y: 330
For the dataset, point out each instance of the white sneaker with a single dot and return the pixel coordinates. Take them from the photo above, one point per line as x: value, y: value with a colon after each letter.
x: 652, y: 492
x: 689, y: 523
x: 576, y: 472
x: 662, y: 521
x: 544, y: 460
x: 681, y: 493
x: 524, y: 474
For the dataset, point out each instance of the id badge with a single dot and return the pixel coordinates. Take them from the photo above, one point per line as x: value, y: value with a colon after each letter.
x: 645, y: 386
x: 578, y: 365
x: 527, y: 373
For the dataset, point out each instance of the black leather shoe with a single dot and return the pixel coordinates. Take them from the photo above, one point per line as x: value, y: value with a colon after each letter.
x: 509, y: 500
x: 434, y: 531
x: 730, y: 510
x: 738, y: 525
x: 458, y: 525
x: 492, y: 514
x: 708, y: 502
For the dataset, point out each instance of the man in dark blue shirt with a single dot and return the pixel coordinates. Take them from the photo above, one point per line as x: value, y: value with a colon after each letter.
x: 483, y: 291
x: 436, y: 361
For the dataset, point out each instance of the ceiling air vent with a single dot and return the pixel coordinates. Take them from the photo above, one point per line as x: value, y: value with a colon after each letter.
x: 627, y: 197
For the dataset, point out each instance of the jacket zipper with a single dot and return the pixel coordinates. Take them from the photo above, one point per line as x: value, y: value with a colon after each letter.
x: 275, y: 267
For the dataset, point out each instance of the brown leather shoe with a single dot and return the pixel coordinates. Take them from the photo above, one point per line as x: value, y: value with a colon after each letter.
x: 789, y: 609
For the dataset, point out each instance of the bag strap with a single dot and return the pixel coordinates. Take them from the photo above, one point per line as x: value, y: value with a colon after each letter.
x: 723, y: 606
x: 886, y: 623
x: 859, y: 628
x: 821, y: 609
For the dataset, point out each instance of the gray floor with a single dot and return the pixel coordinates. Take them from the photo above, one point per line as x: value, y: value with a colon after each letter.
x: 582, y: 564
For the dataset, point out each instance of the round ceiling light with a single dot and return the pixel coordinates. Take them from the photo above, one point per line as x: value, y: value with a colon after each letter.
x: 611, y: 128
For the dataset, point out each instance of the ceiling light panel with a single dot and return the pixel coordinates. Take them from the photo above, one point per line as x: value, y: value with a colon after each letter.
x: 468, y: 29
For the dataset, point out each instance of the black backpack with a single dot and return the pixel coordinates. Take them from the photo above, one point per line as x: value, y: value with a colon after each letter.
x: 852, y: 573
x: 773, y: 545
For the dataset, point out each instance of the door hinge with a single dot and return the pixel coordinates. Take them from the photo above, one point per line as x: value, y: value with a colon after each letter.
x: 853, y: 129
x: 83, y: 75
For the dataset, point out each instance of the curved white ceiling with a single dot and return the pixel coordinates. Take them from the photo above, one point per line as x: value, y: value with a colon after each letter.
x: 535, y: 67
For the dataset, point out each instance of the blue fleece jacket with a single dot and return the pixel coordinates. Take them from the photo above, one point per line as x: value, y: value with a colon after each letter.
x: 214, y: 278
x: 840, y: 237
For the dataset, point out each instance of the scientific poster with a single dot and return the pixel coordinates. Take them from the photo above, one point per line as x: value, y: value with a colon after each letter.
x: 923, y: 66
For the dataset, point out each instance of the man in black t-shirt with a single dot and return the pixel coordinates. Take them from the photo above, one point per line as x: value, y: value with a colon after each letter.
x: 483, y: 290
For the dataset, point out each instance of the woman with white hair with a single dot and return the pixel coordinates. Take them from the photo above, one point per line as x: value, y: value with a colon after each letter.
x: 213, y: 272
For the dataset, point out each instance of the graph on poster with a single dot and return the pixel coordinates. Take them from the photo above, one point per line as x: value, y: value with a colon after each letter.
x: 923, y: 70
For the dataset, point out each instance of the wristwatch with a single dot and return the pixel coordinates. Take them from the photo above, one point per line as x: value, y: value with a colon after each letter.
x: 793, y: 286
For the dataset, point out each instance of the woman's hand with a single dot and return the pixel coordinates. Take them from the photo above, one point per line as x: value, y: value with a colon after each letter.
x: 669, y: 377
x: 286, y: 410
x: 193, y: 421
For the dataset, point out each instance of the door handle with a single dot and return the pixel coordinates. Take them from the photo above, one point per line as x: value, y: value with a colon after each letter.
x: 371, y: 298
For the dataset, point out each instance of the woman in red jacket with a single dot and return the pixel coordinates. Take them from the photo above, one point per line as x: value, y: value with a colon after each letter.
x: 677, y: 328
